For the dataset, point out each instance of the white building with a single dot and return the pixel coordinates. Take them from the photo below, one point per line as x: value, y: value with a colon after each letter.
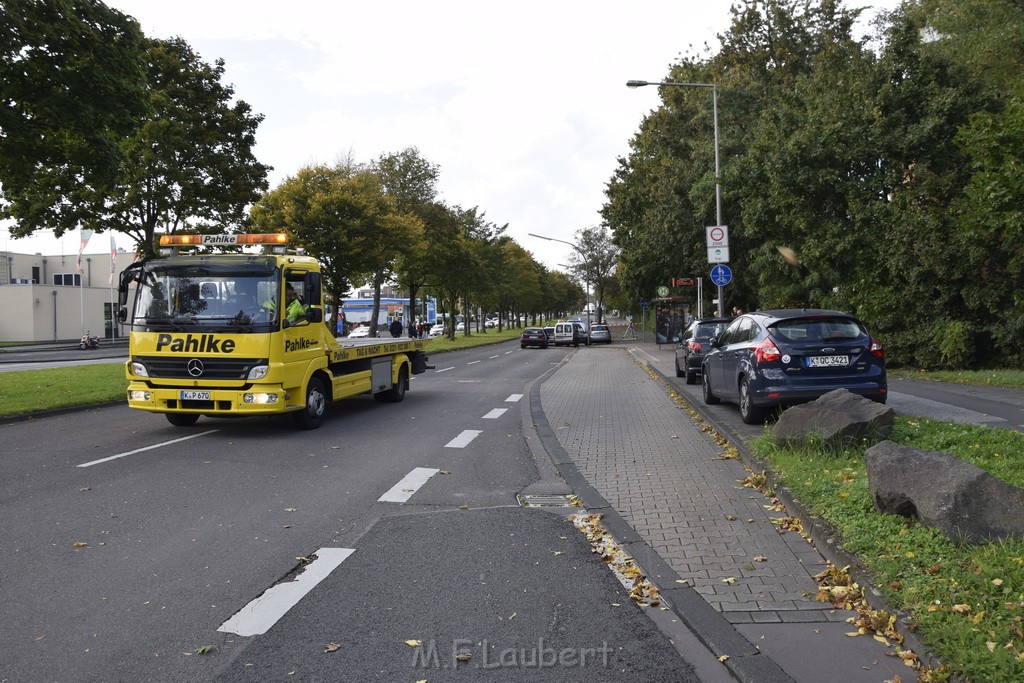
x: 45, y: 299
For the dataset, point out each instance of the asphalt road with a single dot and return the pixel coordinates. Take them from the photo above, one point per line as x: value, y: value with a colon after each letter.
x: 132, y: 549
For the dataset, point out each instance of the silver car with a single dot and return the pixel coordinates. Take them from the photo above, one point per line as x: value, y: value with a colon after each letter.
x: 599, y: 334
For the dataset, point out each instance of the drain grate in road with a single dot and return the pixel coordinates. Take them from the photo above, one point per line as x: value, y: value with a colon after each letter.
x: 566, y: 501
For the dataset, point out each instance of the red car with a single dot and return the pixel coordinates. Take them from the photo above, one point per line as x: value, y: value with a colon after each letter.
x: 533, y: 336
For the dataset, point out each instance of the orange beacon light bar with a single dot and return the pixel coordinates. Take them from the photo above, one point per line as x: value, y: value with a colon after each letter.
x: 218, y: 240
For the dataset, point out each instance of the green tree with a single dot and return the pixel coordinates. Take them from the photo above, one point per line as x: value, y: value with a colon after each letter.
x: 412, y: 182
x: 452, y: 261
x: 72, y: 85
x: 189, y: 165
x: 347, y: 221
x: 518, y: 287
x: 595, y: 261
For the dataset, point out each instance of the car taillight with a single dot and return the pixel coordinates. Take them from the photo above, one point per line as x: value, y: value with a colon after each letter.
x: 766, y: 352
x: 876, y: 349
x: 694, y: 346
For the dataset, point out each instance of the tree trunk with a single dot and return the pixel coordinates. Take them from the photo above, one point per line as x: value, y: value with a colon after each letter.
x: 378, y: 280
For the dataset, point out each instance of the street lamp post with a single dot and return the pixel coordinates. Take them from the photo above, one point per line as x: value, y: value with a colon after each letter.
x: 586, y: 274
x: 718, y: 176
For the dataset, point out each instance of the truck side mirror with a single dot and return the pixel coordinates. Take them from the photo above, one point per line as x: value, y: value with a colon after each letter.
x: 315, y: 315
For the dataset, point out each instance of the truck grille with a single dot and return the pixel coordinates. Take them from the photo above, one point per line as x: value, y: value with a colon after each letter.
x: 162, y: 367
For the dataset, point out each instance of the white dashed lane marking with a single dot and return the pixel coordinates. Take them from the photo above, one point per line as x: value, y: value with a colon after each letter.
x: 410, y: 484
x: 472, y: 362
x: 513, y: 398
x: 259, y: 615
x: 147, y: 448
x: 463, y: 439
x: 495, y: 414
x: 446, y: 369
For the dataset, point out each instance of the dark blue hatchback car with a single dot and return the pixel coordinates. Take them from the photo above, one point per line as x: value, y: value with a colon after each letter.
x: 770, y: 358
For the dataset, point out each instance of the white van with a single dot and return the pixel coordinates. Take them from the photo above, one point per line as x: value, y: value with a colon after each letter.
x: 569, y: 333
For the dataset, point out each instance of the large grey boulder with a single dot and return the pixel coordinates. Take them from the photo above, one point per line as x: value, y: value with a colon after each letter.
x: 961, y: 500
x: 839, y: 419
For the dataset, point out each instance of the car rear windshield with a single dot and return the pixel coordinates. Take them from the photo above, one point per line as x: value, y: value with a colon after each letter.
x: 815, y: 330
x: 708, y: 330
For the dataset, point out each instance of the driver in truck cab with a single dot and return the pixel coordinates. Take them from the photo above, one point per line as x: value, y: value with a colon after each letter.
x: 294, y: 310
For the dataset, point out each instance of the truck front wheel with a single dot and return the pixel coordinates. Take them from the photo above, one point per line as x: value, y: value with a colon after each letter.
x: 182, y: 419
x: 312, y: 415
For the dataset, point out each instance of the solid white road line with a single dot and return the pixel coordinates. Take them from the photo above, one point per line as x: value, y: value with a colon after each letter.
x: 147, y: 448
x: 513, y: 398
x: 495, y: 414
x: 259, y: 615
x: 463, y: 439
x: 410, y: 484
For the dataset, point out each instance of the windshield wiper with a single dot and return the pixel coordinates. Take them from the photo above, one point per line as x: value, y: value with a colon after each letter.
x: 163, y: 320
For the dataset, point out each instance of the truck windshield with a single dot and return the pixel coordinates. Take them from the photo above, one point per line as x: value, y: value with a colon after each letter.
x: 189, y: 297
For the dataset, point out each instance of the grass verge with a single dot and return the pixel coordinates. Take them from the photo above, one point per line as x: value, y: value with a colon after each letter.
x: 967, y: 602
x: 30, y: 391
x: 1010, y: 379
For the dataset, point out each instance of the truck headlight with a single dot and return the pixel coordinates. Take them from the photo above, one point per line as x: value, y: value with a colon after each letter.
x: 137, y: 395
x: 139, y: 370
x: 259, y: 398
x: 258, y: 372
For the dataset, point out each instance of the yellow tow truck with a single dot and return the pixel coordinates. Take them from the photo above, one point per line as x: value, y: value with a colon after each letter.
x: 217, y: 334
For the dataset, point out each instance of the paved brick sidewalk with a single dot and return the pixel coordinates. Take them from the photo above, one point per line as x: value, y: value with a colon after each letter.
x: 612, y: 415
x: 666, y: 477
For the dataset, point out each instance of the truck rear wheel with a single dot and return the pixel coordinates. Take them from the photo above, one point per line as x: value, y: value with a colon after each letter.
x: 397, y: 392
x: 182, y: 419
x: 312, y: 415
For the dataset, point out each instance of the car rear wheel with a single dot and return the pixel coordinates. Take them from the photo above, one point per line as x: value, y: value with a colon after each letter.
x: 691, y: 375
x: 679, y: 370
x: 397, y: 391
x: 709, y: 397
x: 750, y: 413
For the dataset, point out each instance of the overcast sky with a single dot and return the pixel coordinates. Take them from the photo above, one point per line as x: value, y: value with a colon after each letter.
x: 523, y: 105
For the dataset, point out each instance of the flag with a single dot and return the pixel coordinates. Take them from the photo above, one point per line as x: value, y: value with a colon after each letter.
x: 83, y: 236
x: 113, y: 257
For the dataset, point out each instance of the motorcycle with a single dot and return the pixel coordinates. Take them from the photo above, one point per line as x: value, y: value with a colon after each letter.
x: 89, y: 342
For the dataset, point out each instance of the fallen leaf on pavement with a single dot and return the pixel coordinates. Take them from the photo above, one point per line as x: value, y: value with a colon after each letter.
x: 332, y: 647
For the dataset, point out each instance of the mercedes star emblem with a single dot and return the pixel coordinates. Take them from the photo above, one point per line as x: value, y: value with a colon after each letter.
x: 195, y: 367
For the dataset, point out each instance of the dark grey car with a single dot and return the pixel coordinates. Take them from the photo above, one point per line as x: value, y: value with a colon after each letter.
x: 695, y: 343
x: 781, y: 357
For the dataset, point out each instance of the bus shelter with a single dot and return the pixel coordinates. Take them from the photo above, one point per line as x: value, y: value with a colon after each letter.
x: 671, y: 315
